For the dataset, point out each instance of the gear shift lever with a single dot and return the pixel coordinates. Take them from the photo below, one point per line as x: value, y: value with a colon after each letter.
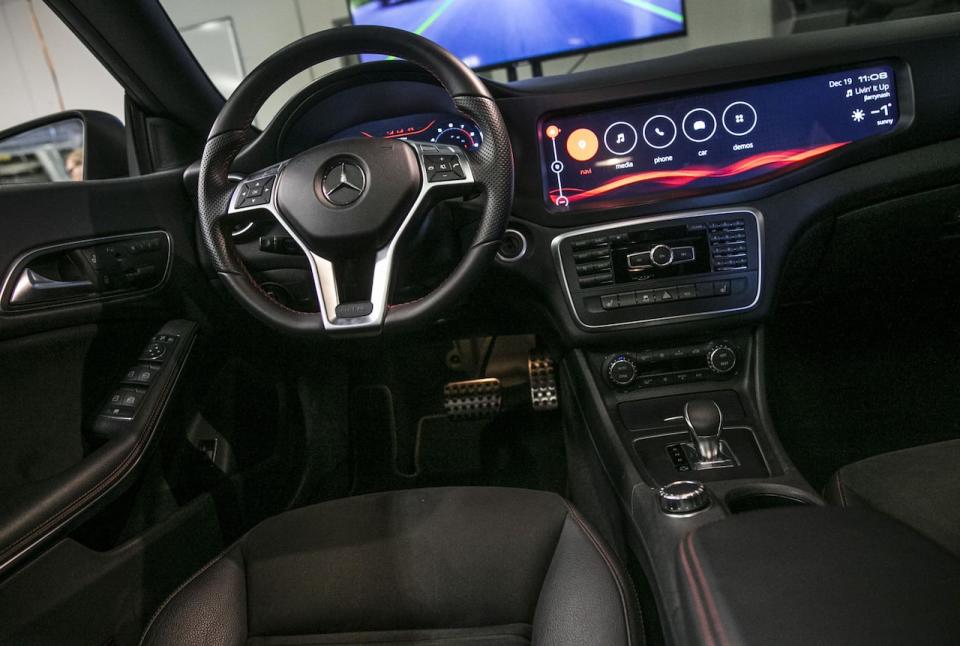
x: 704, y: 419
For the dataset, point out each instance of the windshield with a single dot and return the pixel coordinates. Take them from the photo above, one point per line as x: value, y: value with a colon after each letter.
x: 508, y: 39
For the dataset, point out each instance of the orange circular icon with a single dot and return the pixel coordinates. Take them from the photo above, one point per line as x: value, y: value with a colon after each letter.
x: 553, y: 132
x: 582, y: 144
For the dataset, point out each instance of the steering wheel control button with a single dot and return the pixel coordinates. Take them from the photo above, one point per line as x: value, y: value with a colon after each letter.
x: 583, y: 145
x: 620, y: 138
x: 699, y: 125
x: 739, y: 118
x: 256, y: 192
x: 443, y: 168
x: 354, y: 310
x: 343, y: 183
x: 659, y: 131
x: 683, y: 497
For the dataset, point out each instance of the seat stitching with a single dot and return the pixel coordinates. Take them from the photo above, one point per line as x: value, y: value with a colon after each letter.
x: 843, y: 495
x: 698, y: 602
x: 610, y: 567
x: 708, y: 595
x: 178, y: 590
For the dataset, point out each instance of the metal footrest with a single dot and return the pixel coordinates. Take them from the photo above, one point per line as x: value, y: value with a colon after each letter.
x: 472, y: 399
x: 543, y: 382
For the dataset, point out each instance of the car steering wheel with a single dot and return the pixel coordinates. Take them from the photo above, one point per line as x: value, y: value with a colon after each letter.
x: 348, y: 202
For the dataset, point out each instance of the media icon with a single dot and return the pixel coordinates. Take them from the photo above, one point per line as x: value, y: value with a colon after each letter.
x: 699, y: 125
x: 739, y: 118
x: 620, y: 138
x: 659, y: 131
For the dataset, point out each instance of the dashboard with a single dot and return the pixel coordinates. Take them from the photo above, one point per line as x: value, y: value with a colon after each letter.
x: 664, y: 192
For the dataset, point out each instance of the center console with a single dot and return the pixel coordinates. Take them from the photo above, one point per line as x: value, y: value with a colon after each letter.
x: 662, y: 269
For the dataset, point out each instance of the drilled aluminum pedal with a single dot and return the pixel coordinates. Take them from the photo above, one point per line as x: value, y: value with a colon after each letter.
x: 472, y: 399
x: 543, y: 382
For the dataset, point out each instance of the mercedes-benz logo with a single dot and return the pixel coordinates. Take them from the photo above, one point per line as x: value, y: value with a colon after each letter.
x: 343, y: 183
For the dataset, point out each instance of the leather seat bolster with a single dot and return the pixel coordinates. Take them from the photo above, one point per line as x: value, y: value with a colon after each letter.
x: 209, y: 609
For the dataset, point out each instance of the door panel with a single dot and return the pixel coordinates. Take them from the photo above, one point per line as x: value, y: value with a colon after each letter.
x: 64, y: 459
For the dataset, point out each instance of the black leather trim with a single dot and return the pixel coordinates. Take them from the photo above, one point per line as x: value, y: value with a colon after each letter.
x: 818, y: 575
x: 34, y: 513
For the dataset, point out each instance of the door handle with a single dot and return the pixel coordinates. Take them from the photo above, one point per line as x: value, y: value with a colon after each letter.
x: 32, y: 287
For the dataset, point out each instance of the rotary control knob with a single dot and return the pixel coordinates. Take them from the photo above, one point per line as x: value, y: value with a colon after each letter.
x: 683, y: 497
x: 722, y: 359
x: 661, y: 255
x: 621, y: 371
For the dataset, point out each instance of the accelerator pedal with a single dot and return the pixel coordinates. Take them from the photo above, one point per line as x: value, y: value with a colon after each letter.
x: 472, y: 399
x: 543, y: 382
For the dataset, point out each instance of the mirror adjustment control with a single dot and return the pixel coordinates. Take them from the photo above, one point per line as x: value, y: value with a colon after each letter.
x: 154, y: 352
x: 158, y: 348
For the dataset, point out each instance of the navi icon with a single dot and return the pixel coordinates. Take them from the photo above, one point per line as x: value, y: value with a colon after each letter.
x: 582, y: 144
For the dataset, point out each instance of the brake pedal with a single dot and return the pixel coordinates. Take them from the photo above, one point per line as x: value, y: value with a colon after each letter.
x: 543, y: 382
x: 472, y: 399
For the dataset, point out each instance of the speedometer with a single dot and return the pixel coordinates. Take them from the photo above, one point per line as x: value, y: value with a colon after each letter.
x: 465, y: 135
x: 436, y: 127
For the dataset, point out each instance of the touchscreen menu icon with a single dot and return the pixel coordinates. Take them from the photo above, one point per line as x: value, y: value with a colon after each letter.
x: 659, y: 131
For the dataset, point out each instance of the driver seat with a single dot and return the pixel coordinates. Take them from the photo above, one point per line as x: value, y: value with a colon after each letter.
x: 461, y: 565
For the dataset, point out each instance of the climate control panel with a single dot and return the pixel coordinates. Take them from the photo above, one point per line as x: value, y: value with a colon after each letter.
x: 713, y: 360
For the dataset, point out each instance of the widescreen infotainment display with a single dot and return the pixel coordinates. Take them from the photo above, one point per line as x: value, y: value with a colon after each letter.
x: 710, y: 140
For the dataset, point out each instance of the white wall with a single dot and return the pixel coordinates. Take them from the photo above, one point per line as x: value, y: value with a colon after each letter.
x: 29, y: 90
x: 262, y: 27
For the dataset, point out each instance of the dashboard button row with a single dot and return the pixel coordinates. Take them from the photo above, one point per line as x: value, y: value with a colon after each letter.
x: 670, y: 294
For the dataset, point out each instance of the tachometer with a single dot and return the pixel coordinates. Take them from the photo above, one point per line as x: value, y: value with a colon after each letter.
x: 465, y: 135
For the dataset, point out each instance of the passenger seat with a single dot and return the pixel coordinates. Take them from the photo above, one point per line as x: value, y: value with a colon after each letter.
x: 919, y: 486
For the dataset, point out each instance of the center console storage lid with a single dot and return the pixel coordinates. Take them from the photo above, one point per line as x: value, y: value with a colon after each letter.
x: 818, y: 575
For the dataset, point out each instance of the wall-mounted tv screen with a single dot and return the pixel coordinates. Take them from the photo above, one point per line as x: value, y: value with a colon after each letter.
x: 491, y: 33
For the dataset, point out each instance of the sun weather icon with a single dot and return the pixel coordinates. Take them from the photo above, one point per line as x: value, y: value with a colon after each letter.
x: 858, y: 115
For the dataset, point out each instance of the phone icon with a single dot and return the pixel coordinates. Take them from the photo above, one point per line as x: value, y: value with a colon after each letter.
x: 659, y: 131
x: 699, y: 125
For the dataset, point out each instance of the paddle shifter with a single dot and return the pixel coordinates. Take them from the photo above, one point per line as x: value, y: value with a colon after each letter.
x: 704, y: 419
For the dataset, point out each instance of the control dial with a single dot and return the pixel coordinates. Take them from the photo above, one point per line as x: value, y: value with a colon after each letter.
x: 661, y: 255
x: 621, y: 371
x: 722, y: 359
x: 683, y: 497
